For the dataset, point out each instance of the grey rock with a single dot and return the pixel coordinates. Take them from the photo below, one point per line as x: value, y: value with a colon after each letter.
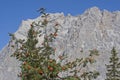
x: 94, y: 29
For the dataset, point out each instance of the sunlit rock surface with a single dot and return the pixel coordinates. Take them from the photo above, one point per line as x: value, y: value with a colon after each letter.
x: 94, y: 29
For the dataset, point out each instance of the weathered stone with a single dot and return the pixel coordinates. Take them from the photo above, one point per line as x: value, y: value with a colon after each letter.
x: 94, y: 29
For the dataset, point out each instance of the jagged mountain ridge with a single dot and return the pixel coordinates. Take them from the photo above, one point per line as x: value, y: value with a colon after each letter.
x: 94, y: 29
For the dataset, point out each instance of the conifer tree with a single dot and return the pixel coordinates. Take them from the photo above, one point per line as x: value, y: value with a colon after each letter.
x: 113, y: 69
x: 36, y: 63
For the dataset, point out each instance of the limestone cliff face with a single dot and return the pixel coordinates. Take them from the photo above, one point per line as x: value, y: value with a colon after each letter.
x: 94, y: 29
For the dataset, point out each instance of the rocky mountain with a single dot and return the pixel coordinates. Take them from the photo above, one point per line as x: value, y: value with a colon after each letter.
x: 94, y: 29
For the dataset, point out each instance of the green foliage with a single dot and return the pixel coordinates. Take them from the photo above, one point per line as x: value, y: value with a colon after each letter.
x: 36, y: 63
x: 90, y: 75
x: 113, y: 69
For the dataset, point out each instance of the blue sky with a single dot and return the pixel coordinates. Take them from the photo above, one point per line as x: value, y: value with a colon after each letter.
x: 12, y: 12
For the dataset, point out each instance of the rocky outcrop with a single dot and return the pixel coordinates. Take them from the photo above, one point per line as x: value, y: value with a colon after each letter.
x: 94, y: 29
